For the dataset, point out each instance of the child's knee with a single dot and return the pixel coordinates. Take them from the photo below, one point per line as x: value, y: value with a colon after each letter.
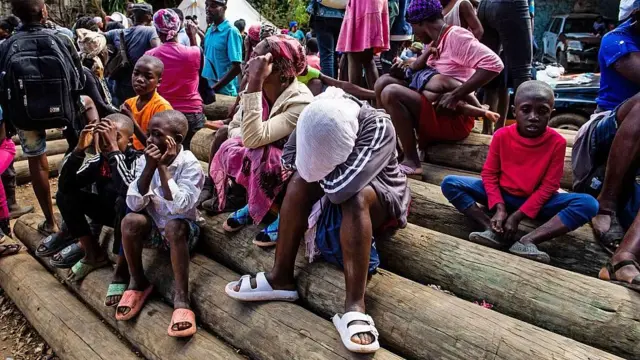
x: 588, y: 205
x: 134, y: 224
x: 176, y: 231
x: 360, y: 202
x: 450, y: 184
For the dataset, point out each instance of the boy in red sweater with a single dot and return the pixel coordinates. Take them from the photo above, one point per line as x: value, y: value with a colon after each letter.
x: 521, y: 179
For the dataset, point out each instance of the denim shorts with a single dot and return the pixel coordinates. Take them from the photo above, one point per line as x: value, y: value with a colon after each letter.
x: 33, y: 142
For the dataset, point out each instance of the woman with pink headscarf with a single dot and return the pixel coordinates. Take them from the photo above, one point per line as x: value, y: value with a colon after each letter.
x: 181, y: 70
x: 267, y: 115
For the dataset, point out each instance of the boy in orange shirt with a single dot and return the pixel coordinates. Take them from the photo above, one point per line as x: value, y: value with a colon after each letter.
x: 147, y: 75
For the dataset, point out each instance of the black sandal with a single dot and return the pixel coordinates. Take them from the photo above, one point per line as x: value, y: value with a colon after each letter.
x: 69, y: 257
x: 612, y: 238
x: 9, y: 249
x: 53, y: 244
x: 611, y: 269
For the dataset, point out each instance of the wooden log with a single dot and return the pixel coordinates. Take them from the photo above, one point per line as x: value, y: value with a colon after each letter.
x: 584, y: 308
x: 54, y: 147
x: 52, y: 134
x: 72, y: 330
x: 148, y: 332
x: 413, y: 320
x: 23, y: 175
x: 577, y: 251
x: 219, y: 110
x: 260, y: 330
x: 471, y: 153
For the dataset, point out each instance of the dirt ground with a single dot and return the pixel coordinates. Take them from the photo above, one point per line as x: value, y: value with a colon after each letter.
x: 18, y: 340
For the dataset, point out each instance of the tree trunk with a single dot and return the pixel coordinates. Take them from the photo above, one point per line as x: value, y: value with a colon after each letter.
x: 259, y: 330
x: 72, y: 330
x: 23, y: 174
x: 52, y: 134
x: 54, y: 147
x: 219, y: 110
x: 577, y: 251
x: 413, y: 320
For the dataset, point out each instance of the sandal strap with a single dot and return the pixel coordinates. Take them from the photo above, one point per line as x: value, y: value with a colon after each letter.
x: 622, y: 264
x: 183, y: 315
x: 357, y: 316
x: 116, y: 289
x: 362, y: 329
x: 606, y: 212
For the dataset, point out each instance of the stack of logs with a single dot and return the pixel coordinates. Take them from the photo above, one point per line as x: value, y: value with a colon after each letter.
x: 556, y: 311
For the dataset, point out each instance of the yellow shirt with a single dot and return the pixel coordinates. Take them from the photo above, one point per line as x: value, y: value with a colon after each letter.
x: 142, y: 116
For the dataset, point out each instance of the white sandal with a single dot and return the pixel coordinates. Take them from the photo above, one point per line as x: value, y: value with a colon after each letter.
x: 347, y: 331
x: 262, y: 292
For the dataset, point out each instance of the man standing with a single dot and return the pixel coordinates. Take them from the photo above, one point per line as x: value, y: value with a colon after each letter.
x: 326, y: 22
x: 138, y: 39
x: 222, y: 50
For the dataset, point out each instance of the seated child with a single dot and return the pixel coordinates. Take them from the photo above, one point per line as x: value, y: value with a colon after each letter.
x: 432, y: 85
x: 110, y: 172
x: 521, y: 177
x: 412, y: 52
x: 346, y: 201
x: 147, y: 75
x: 163, y: 201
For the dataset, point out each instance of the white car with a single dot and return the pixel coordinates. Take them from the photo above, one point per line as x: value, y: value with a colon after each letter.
x: 571, y: 41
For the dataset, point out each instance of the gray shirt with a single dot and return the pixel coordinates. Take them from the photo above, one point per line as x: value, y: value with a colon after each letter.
x: 137, y: 38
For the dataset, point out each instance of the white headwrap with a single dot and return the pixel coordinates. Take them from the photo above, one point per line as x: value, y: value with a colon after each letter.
x: 325, y: 134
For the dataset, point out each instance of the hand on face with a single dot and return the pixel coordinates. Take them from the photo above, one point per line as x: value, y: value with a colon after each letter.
x: 108, y: 135
x: 170, y: 153
x: 86, y: 138
x: 260, y: 66
x: 152, y: 155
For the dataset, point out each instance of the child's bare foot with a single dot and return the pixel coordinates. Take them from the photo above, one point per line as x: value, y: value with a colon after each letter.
x: 411, y: 169
x: 601, y: 223
x: 492, y: 116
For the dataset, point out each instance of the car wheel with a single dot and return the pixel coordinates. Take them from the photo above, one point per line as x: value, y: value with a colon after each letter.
x: 567, y: 121
x: 561, y: 58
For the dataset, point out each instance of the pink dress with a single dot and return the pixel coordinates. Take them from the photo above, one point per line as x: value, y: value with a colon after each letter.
x: 365, y: 26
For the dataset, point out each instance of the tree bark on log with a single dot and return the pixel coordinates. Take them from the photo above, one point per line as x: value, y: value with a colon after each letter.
x: 52, y: 134
x: 23, y: 174
x: 54, y: 147
x: 577, y: 251
x: 471, y: 153
x: 584, y: 308
x: 72, y: 330
x: 276, y: 330
x: 413, y: 320
x: 219, y: 110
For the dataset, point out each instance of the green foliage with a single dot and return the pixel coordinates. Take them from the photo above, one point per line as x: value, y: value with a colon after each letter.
x: 280, y: 12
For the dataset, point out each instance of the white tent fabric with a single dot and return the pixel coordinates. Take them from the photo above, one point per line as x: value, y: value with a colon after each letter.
x: 197, y: 8
x: 236, y: 10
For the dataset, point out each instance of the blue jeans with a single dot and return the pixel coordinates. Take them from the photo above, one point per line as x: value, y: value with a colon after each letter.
x: 327, y: 32
x: 573, y: 209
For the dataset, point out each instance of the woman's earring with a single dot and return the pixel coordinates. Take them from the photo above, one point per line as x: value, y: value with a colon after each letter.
x: 283, y: 79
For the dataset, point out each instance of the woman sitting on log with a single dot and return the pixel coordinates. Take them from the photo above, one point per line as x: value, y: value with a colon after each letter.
x: 349, y: 189
x: 460, y: 56
x: 268, y: 113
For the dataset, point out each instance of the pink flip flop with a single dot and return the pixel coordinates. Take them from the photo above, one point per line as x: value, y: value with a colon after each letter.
x: 182, y: 316
x: 134, y: 300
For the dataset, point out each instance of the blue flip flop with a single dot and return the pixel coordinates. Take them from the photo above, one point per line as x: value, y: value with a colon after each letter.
x: 238, y: 220
x: 269, y: 235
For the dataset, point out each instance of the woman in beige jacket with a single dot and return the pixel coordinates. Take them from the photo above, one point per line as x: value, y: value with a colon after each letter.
x: 268, y: 114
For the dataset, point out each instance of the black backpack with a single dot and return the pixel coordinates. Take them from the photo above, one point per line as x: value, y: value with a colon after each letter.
x: 39, y: 82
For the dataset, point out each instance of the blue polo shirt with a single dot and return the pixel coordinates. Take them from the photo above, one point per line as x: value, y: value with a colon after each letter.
x: 615, y: 88
x: 222, y: 47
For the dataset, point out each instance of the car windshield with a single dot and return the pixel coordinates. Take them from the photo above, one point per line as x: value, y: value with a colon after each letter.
x: 579, y: 25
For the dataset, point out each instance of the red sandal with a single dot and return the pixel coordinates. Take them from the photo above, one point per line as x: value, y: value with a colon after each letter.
x: 182, y: 316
